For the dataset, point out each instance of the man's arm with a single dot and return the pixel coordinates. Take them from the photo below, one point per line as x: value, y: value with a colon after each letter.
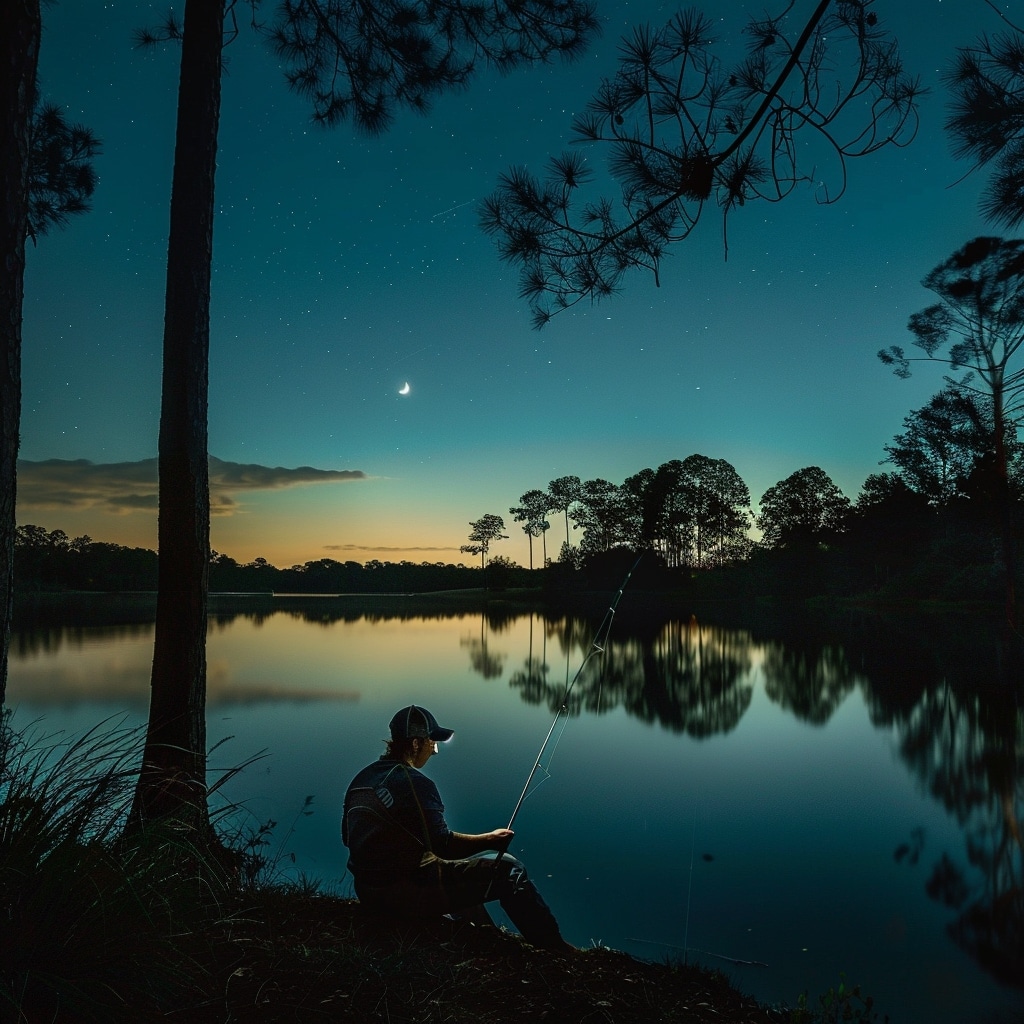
x: 443, y: 841
x: 462, y: 845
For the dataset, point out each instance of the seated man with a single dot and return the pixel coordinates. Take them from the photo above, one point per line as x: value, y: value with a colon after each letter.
x: 406, y: 860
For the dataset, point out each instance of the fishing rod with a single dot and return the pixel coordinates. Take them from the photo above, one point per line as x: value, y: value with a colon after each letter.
x: 597, y: 647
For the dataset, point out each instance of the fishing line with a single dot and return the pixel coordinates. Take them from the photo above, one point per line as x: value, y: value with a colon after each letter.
x: 689, y: 886
x: 738, y: 961
x: 718, y: 956
x: 685, y: 947
x: 546, y: 769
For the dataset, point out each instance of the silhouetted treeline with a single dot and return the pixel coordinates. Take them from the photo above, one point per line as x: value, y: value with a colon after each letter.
x: 327, y: 576
x: 894, y: 542
x: 901, y: 538
x: 50, y: 561
x: 53, y: 561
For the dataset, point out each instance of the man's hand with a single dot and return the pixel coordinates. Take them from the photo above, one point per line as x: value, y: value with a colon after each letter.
x: 501, y: 837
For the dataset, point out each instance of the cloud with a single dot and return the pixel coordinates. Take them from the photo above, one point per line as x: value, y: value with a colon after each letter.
x: 234, y: 476
x: 124, y: 487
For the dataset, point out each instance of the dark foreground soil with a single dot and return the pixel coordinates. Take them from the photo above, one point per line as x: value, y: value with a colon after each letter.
x: 289, y: 957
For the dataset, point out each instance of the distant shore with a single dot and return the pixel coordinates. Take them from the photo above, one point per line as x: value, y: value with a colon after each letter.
x: 82, y: 608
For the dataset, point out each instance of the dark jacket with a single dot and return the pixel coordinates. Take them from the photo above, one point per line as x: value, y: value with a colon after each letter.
x: 393, y: 824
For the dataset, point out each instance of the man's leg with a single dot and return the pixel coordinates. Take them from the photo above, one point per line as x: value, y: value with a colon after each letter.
x: 476, y: 880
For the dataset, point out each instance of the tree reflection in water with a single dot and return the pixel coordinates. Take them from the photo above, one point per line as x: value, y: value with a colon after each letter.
x: 688, y: 678
x: 957, y: 719
x: 810, y: 681
x: 966, y: 748
x: 490, y: 665
x: 531, y: 679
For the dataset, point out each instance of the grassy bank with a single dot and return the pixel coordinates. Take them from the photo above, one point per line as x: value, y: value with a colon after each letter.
x: 294, y: 956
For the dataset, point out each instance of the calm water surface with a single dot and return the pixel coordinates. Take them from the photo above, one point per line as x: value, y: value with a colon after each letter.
x: 788, y: 811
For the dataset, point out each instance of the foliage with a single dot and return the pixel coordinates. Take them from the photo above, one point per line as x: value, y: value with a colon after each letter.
x: 563, y: 493
x: 52, y: 560
x: 361, y: 66
x: 62, y: 178
x: 806, y: 507
x: 977, y: 327
x: 987, y: 118
x: 569, y: 556
x: 894, y: 544
x: 683, y: 129
x: 262, y: 862
x: 599, y: 514
x: 699, y: 509
x: 943, y: 443
x: 838, y: 1005
x: 889, y: 531
x: 72, y: 889
x: 531, y: 511
x: 486, y: 530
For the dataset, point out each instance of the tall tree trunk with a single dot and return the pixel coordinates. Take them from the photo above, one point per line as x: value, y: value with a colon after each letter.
x: 172, y: 782
x: 1005, y: 504
x: 19, y: 58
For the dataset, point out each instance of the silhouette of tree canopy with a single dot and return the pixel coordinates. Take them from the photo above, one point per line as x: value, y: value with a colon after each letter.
x: 598, y: 513
x: 943, y: 442
x: 806, y: 507
x: 361, y: 63
x: 563, y: 493
x: 637, y: 520
x: 62, y: 176
x: 986, y: 119
x: 889, y: 529
x: 694, y: 512
x: 698, y: 509
x: 682, y: 129
x: 353, y: 62
x: 977, y: 327
x: 531, y: 511
x: 486, y: 530
x: 53, y: 561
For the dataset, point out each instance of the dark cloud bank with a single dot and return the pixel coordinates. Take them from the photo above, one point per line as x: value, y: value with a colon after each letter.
x: 123, y: 487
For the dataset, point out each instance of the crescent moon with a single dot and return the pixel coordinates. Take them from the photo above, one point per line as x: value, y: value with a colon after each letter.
x: 404, y: 389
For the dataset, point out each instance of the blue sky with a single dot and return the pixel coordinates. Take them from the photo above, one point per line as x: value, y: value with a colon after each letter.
x: 345, y: 267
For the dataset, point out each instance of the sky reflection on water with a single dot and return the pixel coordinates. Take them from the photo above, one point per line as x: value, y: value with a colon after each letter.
x: 695, y: 814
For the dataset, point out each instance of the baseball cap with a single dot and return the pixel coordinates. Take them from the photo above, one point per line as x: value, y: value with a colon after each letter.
x: 415, y: 721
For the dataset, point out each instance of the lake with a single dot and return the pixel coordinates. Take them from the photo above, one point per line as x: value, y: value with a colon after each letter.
x: 789, y: 804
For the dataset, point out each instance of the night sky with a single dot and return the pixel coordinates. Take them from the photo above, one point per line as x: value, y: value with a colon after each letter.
x: 346, y: 266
